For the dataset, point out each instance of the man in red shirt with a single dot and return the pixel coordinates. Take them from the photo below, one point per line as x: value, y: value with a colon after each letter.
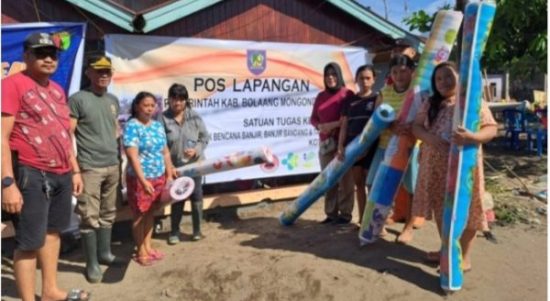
x: 39, y: 170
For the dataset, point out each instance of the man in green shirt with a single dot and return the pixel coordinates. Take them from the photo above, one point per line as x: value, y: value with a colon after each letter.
x: 94, y: 114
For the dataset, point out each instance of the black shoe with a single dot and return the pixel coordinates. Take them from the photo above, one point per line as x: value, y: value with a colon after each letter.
x: 342, y: 221
x: 327, y: 220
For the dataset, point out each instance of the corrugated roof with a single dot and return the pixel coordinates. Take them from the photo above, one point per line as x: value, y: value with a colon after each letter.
x: 163, y: 14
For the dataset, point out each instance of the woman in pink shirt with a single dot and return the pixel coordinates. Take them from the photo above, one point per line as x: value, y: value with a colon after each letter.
x: 325, y: 117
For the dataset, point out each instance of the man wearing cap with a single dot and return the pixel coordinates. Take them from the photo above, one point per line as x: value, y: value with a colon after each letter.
x: 94, y: 114
x: 39, y: 169
x: 403, y: 47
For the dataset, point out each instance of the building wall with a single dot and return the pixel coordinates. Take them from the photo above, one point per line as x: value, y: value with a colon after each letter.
x: 293, y: 21
x: 303, y: 21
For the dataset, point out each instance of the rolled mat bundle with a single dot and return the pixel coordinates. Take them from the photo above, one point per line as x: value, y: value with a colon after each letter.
x: 381, y: 119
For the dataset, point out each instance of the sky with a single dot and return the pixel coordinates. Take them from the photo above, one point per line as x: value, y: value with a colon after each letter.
x: 396, y: 8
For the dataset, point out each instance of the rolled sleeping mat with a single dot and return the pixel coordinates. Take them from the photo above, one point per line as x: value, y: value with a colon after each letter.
x: 232, y: 161
x: 177, y: 190
x: 383, y: 116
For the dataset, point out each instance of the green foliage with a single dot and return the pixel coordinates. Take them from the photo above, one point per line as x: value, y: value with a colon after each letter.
x: 421, y: 21
x: 518, y: 39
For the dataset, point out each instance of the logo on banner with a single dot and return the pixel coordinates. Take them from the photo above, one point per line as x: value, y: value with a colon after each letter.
x: 256, y: 61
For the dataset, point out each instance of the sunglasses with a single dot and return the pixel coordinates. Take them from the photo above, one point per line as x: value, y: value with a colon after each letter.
x: 103, y: 71
x: 42, y: 53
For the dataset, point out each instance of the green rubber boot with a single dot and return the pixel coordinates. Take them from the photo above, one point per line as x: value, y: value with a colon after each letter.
x: 104, y: 248
x: 89, y: 246
x: 196, y: 217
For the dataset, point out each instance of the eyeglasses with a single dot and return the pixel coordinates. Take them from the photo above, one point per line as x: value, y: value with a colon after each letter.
x: 42, y: 53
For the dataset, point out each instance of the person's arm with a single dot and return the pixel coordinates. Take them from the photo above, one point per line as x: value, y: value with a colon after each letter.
x: 420, y: 132
x: 204, y: 137
x: 78, y: 184
x: 12, y: 201
x: 314, y: 119
x: 488, y: 129
x: 379, y: 100
x: 328, y: 127
x: 132, y: 153
x: 170, y: 170
x: 341, y: 137
x: 131, y: 142
x: 462, y: 136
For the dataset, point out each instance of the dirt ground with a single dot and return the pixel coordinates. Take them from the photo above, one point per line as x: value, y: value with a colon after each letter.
x: 247, y: 255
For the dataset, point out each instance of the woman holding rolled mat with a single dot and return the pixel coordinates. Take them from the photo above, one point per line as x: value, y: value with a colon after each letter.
x: 433, y: 125
x: 187, y: 138
x: 325, y: 117
x: 149, y: 168
x: 401, y: 71
x: 356, y: 112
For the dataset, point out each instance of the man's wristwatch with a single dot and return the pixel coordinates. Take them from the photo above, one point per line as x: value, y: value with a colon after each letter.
x: 7, y: 182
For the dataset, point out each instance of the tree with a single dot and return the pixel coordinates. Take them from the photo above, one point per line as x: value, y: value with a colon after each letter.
x: 518, y: 39
x: 421, y: 21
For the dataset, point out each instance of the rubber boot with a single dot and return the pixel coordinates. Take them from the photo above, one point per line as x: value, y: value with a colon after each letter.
x: 196, y: 217
x: 104, y: 248
x: 89, y: 246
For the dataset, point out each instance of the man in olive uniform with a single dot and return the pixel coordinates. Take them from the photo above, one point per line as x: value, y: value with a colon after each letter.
x: 94, y: 114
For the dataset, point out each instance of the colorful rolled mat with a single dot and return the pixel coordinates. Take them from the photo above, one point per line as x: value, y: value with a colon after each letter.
x: 383, y: 116
x: 462, y: 160
x: 233, y: 161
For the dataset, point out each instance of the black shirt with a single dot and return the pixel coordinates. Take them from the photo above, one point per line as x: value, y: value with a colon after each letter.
x: 358, y: 110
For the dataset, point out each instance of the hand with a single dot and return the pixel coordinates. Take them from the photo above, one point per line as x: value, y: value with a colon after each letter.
x: 340, y: 155
x: 78, y: 184
x: 190, y: 153
x: 174, y: 172
x: 148, y: 187
x: 324, y: 128
x: 463, y: 136
x: 12, y: 201
x: 171, y: 174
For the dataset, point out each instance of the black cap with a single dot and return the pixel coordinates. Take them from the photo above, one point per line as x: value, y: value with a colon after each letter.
x: 38, y: 40
x: 401, y: 42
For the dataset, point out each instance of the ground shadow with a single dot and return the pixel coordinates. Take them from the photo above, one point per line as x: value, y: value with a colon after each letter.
x: 72, y: 259
x: 329, y: 241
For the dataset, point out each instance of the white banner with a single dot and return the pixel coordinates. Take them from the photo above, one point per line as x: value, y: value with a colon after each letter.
x: 250, y: 94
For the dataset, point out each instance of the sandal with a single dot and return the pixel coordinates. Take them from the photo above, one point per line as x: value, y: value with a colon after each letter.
x: 143, y: 261
x: 156, y: 255
x: 77, y: 294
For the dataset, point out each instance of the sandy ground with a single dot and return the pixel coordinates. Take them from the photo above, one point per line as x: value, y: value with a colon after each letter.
x: 247, y: 255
